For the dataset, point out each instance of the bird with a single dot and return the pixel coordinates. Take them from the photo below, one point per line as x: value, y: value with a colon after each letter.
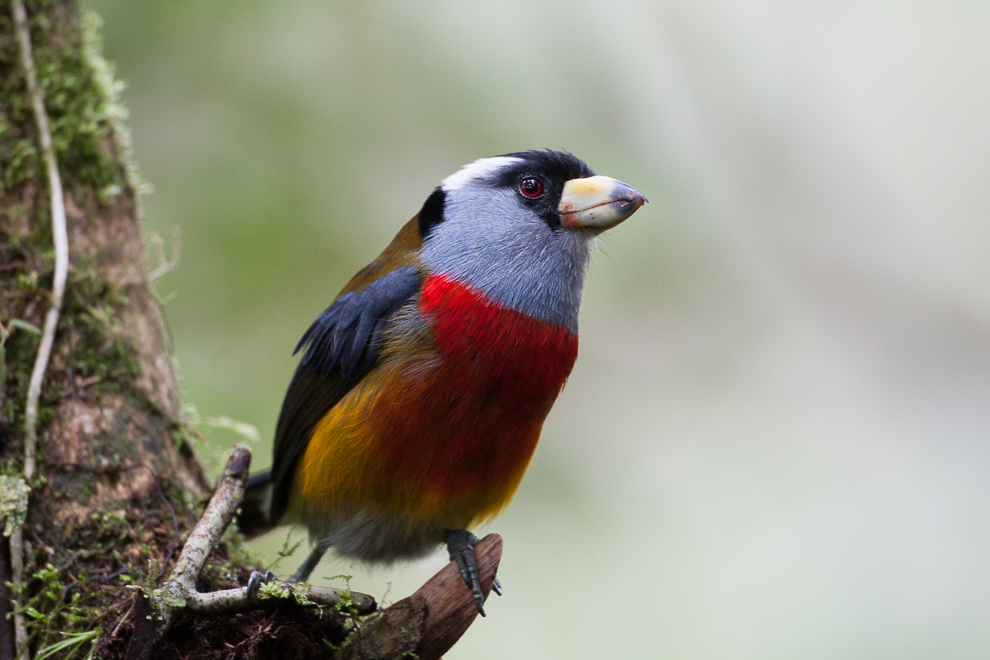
x: 423, y: 388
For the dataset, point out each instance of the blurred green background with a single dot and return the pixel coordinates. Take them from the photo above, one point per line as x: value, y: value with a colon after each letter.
x: 775, y: 441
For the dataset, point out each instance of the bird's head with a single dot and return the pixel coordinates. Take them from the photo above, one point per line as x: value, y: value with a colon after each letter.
x: 555, y: 187
x: 519, y: 228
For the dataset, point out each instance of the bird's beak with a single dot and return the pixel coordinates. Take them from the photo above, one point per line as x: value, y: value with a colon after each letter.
x: 598, y: 203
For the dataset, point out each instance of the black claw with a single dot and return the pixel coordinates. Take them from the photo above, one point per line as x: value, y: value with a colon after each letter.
x: 254, y: 583
x: 460, y: 545
x: 497, y: 587
x: 256, y: 579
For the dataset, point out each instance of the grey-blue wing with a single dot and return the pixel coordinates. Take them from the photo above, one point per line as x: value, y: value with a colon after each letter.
x: 341, y: 346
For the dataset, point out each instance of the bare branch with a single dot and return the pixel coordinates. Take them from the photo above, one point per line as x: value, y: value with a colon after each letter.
x: 157, y: 611
x: 219, y: 513
x: 237, y: 600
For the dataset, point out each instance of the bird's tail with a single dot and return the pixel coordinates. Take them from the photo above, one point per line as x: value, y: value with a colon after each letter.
x: 253, y: 519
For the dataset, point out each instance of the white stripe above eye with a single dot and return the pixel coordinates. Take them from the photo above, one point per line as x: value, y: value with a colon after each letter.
x: 476, y: 170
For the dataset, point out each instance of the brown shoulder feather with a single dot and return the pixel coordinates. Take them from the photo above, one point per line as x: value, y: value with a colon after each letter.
x: 402, y: 251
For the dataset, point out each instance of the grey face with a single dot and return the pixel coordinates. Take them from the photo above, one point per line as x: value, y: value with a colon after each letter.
x: 500, y: 240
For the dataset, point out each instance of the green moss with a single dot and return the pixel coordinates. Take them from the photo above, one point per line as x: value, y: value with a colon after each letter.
x: 21, y: 349
x: 57, y: 615
x: 113, y: 109
x: 82, y: 100
x: 20, y: 159
x: 82, y: 104
x: 18, y: 154
x: 66, y: 602
x: 89, y: 335
x: 86, y: 121
x: 91, y: 315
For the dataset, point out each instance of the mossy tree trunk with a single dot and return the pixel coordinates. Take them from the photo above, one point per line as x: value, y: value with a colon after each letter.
x: 118, y: 484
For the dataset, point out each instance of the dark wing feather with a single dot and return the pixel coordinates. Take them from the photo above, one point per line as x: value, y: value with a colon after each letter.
x: 343, y: 345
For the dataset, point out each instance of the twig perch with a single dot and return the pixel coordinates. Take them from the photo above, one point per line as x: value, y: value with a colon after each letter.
x: 427, y: 623
x: 229, y: 601
x: 202, y: 541
x: 153, y: 622
x: 156, y: 612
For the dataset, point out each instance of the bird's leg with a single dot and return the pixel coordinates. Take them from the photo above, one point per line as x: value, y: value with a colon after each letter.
x: 460, y: 545
x: 307, y: 567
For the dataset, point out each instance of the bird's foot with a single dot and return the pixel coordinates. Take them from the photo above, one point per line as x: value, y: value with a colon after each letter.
x: 460, y: 545
x: 255, y: 581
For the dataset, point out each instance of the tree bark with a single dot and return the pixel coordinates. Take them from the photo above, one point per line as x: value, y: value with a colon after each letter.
x: 118, y: 482
x: 118, y: 485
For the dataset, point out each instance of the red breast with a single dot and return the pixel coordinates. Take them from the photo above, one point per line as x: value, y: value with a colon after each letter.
x: 463, y: 427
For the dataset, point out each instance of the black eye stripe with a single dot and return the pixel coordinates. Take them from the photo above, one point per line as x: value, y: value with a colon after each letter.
x: 553, y: 168
x: 552, y: 165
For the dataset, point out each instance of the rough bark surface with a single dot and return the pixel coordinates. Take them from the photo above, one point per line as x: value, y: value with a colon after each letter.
x: 118, y: 480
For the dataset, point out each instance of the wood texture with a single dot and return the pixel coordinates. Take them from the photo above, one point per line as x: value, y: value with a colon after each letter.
x: 430, y: 621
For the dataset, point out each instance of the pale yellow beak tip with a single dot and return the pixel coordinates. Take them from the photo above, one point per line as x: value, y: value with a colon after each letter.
x: 598, y: 202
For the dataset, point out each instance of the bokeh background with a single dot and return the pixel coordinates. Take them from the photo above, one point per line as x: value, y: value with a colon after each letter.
x: 775, y: 441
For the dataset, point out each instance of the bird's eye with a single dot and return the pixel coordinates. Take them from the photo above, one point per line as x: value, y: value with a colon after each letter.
x: 531, y: 187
